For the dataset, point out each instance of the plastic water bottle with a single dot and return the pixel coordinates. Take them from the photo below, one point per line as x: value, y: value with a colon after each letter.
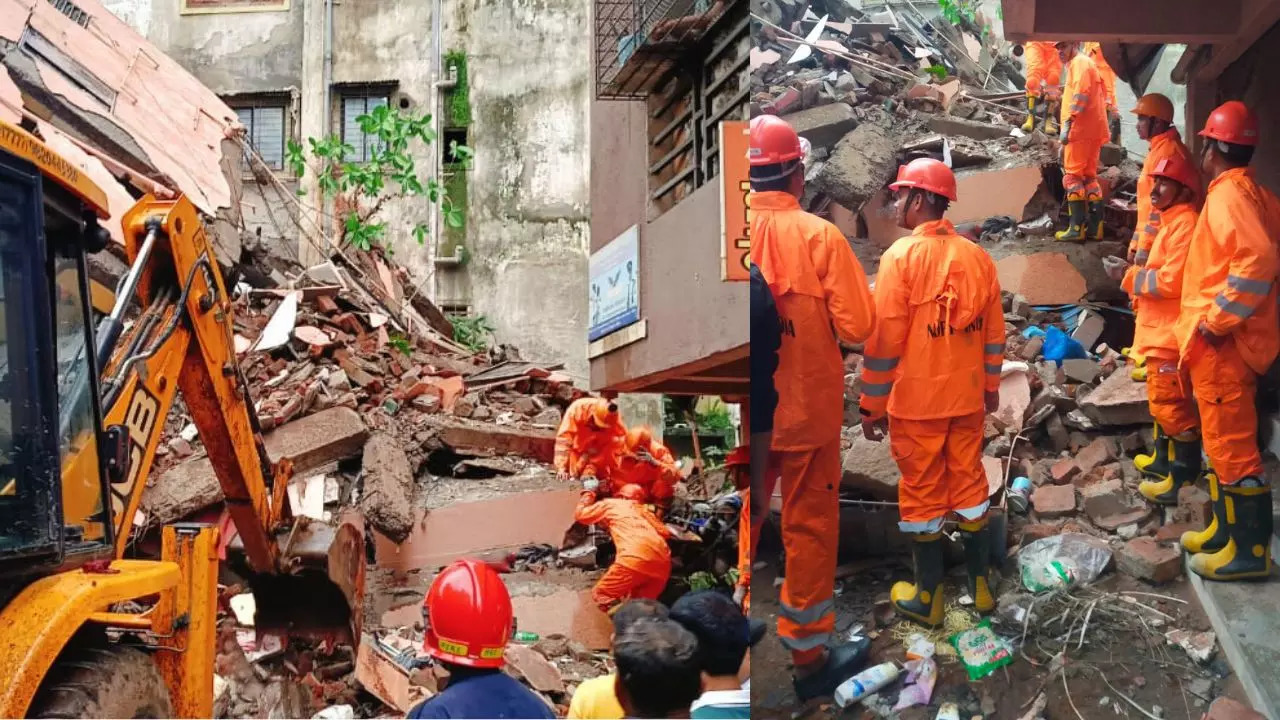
x: 865, y: 683
x: 526, y: 638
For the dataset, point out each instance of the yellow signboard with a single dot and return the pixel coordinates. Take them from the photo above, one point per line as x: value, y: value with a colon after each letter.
x: 735, y: 193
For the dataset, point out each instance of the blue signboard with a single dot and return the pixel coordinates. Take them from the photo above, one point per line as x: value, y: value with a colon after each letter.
x: 613, y: 295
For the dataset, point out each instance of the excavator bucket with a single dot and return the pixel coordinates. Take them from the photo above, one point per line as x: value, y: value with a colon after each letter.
x: 319, y: 592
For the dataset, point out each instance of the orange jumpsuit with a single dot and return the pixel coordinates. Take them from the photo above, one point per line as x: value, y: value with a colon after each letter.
x: 643, y: 564
x: 581, y: 448
x: 1094, y: 51
x: 659, y: 481
x: 1044, y: 69
x: 1165, y: 145
x: 939, y: 346
x: 821, y: 292
x: 1157, y: 291
x: 1229, y: 285
x: 1085, y: 105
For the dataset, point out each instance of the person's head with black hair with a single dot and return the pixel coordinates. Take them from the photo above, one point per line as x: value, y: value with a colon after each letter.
x: 1220, y: 156
x: 923, y: 192
x: 723, y: 635
x: 1230, y: 136
x: 658, y: 675
x: 633, y: 611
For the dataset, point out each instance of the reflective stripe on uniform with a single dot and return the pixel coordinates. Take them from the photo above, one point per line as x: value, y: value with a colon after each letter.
x: 880, y: 364
x: 809, y: 642
x: 926, y: 526
x: 807, y: 616
x: 877, y: 389
x: 975, y: 512
x: 1247, y: 285
x: 993, y: 348
x: 1141, y: 256
x: 1240, y: 310
x: 1152, y: 280
x: 992, y: 369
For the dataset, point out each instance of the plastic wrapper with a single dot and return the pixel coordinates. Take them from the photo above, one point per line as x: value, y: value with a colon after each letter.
x: 1061, y: 561
x: 922, y: 674
x: 1059, y: 346
x: 981, y: 651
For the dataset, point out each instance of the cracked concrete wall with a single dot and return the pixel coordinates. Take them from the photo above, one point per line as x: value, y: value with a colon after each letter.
x: 530, y: 86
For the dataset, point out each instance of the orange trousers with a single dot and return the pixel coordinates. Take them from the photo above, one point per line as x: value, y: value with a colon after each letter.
x: 1224, y: 388
x: 810, y: 538
x: 621, y: 583
x: 744, y: 548
x: 1080, y: 168
x: 941, y: 465
x: 1169, y: 398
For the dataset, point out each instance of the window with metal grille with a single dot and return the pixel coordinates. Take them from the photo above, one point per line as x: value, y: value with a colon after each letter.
x: 71, y: 10
x: 265, y: 125
x: 353, y: 106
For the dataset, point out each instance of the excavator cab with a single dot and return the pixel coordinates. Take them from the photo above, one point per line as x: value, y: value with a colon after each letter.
x: 82, y: 411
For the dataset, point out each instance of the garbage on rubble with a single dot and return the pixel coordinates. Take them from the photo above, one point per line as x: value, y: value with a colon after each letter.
x: 335, y: 712
x: 865, y: 683
x: 981, y: 651
x: 1059, y: 346
x: 920, y: 647
x: 1039, y: 227
x: 922, y: 674
x: 1019, y: 495
x: 948, y: 711
x: 1064, y: 560
x: 1199, y: 646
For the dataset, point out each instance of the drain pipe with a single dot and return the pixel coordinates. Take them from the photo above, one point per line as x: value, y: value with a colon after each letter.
x: 327, y: 74
x: 440, y: 85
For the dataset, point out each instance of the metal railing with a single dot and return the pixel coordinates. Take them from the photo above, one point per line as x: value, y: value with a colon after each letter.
x: 638, y: 42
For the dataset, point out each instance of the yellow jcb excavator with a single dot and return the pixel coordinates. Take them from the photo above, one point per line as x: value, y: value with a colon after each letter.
x: 85, y: 632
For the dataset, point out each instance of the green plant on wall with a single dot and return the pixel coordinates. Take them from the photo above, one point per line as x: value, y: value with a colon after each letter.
x: 472, y: 332
x: 390, y: 172
x: 954, y: 10
x: 459, y: 98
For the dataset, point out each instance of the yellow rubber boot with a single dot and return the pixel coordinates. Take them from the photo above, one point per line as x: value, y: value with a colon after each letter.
x: 1184, y: 464
x: 1075, y: 232
x: 921, y: 601
x: 1051, y: 120
x: 1095, y: 226
x: 1030, y: 123
x: 1155, y: 465
x: 1214, y: 537
x: 977, y: 559
x: 1247, y: 554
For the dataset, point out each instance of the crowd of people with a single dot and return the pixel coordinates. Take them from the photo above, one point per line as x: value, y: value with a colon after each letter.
x: 1202, y: 269
x: 691, y: 660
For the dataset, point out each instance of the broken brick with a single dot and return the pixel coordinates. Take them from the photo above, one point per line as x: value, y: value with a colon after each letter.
x: 1053, y: 501
x: 1064, y: 471
x: 1173, y: 533
x: 1194, y: 506
x: 529, y: 664
x: 1118, y: 400
x: 1038, y: 531
x: 1147, y: 559
x: 1098, y: 452
x: 1224, y: 708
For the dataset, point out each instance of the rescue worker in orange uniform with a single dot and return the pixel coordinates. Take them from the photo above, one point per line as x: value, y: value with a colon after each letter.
x: 822, y: 296
x: 933, y: 366
x: 1084, y: 131
x: 1094, y: 51
x: 590, y: 440
x: 649, y: 464
x: 1156, y: 289
x: 1228, y: 333
x: 643, y: 563
x: 738, y: 461
x: 1044, y: 81
x: 1155, y: 125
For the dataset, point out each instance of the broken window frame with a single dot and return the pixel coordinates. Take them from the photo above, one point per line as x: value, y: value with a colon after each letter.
x: 264, y: 102
x: 363, y: 93
x: 217, y: 7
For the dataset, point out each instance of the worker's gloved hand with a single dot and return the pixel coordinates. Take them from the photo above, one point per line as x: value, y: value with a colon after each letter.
x: 991, y: 400
x: 1214, y: 339
x: 1064, y: 133
x: 1115, y: 267
x: 590, y: 484
x: 643, y: 456
x: 739, y: 594
x: 874, y: 430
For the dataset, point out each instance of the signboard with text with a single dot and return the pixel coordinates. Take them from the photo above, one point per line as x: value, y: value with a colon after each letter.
x: 613, y: 293
x: 735, y: 189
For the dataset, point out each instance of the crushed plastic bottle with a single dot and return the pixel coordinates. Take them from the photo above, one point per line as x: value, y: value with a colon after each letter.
x: 865, y: 683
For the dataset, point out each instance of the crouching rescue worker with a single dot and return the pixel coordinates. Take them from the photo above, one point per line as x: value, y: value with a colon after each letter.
x: 822, y: 294
x: 1044, y: 81
x: 468, y: 618
x: 738, y: 462
x: 1084, y: 132
x: 643, y: 563
x: 649, y: 464
x: 590, y: 439
x: 933, y: 365
x: 1156, y: 289
x: 1229, y: 334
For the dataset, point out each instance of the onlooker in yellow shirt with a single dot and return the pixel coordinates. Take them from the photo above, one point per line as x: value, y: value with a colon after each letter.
x: 597, y: 698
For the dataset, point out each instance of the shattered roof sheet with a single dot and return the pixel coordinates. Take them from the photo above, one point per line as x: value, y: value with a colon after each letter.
x: 171, y: 126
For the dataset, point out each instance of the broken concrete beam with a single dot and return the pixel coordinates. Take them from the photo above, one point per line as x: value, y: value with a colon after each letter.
x: 180, y: 491
x: 317, y: 440
x: 967, y: 128
x: 861, y: 164
x: 475, y: 438
x: 869, y: 467
x: 1146, y: 559
x: 825, y: 125
x: 1118, y: 400
x: 387, y: 496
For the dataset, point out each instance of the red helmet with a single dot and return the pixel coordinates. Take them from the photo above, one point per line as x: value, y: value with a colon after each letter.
x: 1232, y: 122
x: 1176, y: 167
x: 773, y: 141
x: 632, y: 491
x: 639, y: 437
x: 468, y: 616
x: 929, y: 175
x: 740, y: 455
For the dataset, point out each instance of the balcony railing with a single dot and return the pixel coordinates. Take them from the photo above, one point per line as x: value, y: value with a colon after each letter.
x: 638, y: 42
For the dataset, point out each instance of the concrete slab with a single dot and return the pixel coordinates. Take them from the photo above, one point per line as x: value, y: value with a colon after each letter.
x: 1246, y: 617
x: 990, y: 193
x: 468, y: 529
x: 565, y: 612
x: 1046, y: 278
